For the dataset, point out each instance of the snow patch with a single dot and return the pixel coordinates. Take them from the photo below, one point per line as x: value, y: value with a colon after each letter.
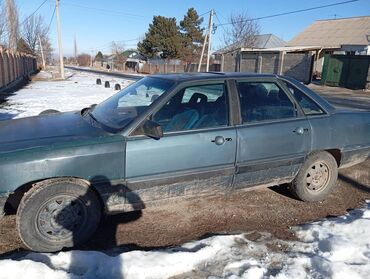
x: 331, y: 248
x: 78, y: 91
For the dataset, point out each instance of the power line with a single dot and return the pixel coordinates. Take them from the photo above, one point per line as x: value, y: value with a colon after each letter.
x: 220, y: 23
x: 105, y: 10
x: 292, y: 12
x: 51, y: 19
x: 204, y: 13
x: 222, y: 15
x: 108, y: 45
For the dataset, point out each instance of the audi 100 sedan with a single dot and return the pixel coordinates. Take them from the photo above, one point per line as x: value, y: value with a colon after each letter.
x: 170, y: 136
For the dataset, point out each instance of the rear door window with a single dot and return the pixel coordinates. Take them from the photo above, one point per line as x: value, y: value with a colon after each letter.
x: 308, y: 106
x: 264, y: 101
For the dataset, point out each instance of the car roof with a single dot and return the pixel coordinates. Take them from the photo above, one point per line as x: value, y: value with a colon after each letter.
x: 208, y: 75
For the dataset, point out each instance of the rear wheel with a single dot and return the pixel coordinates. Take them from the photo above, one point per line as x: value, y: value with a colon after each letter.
x: 316, y: 178
x: 58, y: 213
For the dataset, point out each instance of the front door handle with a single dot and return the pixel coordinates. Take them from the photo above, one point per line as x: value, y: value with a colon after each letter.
x: 298, y: 131
x: 220, y: 140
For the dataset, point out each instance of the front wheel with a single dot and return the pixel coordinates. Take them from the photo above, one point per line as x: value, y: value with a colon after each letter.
x: 316, y: 178
x: 58, y: 213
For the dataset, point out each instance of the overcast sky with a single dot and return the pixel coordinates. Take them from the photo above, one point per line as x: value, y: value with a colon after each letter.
x: 96, y: 23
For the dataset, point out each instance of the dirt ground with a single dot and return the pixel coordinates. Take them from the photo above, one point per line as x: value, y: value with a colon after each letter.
x: 343, y: 97
x: 270, y: 210
x: 265, y: 210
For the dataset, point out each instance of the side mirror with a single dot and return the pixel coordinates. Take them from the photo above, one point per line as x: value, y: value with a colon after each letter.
x: 152, y: 129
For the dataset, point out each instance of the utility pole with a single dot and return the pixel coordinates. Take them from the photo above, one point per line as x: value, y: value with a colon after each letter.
x: 42, y: 54
x: 75, y: 49
x: 92, y: 59
x: 203, y: 48
x: 209, y: 38
x: 60, y: 41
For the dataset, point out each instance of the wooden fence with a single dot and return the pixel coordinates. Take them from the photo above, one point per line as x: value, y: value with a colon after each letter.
x: 14, y: 66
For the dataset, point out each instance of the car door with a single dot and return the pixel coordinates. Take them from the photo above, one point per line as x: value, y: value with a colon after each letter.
x: 274, y: 136
x: 195, y: 156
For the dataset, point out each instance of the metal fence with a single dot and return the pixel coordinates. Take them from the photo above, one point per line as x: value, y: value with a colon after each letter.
x: 296, y: 65
x: 351, y: 71
x: 14, y: 66
x: 169, y: 68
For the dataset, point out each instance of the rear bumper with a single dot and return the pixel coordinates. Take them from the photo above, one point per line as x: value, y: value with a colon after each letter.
x: 2, y: 206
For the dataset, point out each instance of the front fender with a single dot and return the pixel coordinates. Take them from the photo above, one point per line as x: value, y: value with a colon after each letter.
x: 99, y: 157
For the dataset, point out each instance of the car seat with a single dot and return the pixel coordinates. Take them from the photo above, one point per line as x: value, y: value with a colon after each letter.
x: 182, y: 121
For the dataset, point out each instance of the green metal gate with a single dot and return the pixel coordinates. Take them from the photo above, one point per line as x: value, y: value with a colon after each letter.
x: 345, y: 70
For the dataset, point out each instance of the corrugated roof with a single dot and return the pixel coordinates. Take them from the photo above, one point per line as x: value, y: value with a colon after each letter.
x: 282, y: 49
x: 334, y: 33
x: 268, y: 41
x: 262, y: 41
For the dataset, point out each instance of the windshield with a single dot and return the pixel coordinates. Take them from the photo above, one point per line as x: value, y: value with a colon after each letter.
x: 117, y: 111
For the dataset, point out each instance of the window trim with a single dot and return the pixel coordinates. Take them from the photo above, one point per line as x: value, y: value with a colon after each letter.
x: 175, y: 91
x: 271, y: 121
x: 283, y: 82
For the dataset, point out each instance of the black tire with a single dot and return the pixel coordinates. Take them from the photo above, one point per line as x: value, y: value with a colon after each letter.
x: 117, y: 86
x: 49, y: 111
x: 57, y: 214
x: 316, y: 178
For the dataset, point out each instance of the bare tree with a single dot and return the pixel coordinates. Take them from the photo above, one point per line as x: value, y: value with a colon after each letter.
x: 83, y: 59
x: 242, y: 32
x: 117, y: 47
x: 2, y: 25
x: 117, y: 52
x: 12, y: 24
x: 47, y: 48
x: 35, y: 30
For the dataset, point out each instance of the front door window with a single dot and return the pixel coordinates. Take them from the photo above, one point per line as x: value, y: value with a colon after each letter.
x: 195, y: 107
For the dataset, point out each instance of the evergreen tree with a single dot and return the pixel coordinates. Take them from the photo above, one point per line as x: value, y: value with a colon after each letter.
x: 192, y: 35
x: 99, y: 56
x: 163, y: 37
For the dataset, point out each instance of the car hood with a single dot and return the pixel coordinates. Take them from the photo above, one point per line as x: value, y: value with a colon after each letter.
x: 43, y: 130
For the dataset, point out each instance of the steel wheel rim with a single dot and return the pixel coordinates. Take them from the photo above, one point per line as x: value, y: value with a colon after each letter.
x: 318, y: 176
x: 61, y: 217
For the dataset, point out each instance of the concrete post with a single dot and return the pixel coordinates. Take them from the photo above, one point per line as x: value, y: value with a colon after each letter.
x: 259, y: 64
x: 222, y: 62
x: 2, y: 71
x: 7, y: 68
x: 18, y: 56
x: 11, y: 67
x: 281, y: 63
x: 239, y: 55
x: 21, y: 65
